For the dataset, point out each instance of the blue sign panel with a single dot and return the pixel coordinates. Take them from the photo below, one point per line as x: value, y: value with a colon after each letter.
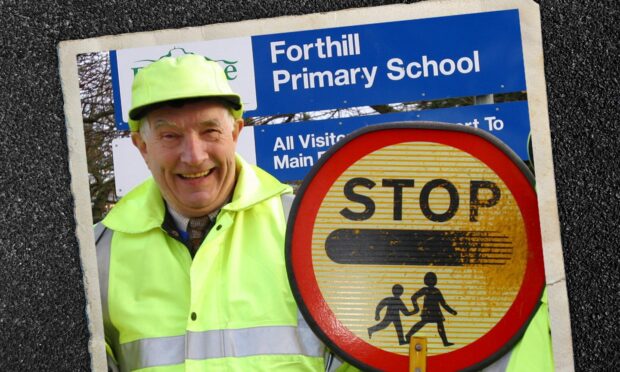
x: 424, y: 59
x: 288, y: 151
x: 404, y: 61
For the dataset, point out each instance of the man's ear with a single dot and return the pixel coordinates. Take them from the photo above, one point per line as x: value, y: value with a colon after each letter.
x: 138, y: 141
x: 239, y: 123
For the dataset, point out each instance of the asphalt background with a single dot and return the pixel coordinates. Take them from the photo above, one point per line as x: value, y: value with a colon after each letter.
x: 42, y: 319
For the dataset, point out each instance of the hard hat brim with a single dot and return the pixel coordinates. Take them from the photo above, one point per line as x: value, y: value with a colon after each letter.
x: 232, y: 101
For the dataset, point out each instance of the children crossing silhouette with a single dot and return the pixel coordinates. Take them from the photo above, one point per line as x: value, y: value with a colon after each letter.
x: 431, y: 310
x: 395, y: 306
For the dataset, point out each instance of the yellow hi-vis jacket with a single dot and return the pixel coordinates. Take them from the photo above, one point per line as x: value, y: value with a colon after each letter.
x: 533, y: 351
x: 228, y: 309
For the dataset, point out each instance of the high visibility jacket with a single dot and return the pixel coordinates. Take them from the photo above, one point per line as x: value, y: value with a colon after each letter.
x: 533, y: 352
x: 228, y: 309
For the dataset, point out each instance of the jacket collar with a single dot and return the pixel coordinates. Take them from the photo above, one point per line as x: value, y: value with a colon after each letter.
x: 143, y: 208
x: 254, y: 185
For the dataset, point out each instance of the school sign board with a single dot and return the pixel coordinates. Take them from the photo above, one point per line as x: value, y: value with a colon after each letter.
x: 343, y: 67
x: 346, y: 67
x: 401, y: 214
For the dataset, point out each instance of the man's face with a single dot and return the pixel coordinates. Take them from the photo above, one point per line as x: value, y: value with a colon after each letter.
x: 191, y: 153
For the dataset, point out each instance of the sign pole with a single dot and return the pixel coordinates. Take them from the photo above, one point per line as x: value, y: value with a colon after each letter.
x: 417, y: 354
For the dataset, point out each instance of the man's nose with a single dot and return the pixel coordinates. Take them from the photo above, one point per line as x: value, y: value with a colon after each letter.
x: 194, y: 150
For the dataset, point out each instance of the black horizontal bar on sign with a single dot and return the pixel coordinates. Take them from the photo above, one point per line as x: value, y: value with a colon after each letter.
x: 417, y: 247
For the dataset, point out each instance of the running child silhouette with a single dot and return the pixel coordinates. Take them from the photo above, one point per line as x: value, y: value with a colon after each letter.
x: 431, y: 312
x: 395, y: 306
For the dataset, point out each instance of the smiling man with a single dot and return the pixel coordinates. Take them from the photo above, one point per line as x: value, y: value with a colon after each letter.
x: 191, y: 262
x: 190, y: 151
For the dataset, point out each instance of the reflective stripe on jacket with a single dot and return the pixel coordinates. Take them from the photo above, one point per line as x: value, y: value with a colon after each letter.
x: 230, y: 309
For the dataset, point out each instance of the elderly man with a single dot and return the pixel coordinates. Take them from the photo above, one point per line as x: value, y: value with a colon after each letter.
x: 192, y: 261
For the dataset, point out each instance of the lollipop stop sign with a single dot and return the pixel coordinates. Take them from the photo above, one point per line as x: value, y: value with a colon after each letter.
x: 418, y: 231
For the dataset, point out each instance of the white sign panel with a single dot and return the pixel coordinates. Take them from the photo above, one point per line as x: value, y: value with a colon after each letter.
x: 234, y: 55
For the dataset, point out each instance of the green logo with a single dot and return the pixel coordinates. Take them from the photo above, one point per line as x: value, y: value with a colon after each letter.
x: 230, y: 69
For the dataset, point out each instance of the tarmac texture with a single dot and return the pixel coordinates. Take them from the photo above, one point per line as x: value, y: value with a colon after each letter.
x: 43, y: 324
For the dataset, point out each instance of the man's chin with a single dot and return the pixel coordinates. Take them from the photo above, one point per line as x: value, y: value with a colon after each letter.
x: 198, y: 208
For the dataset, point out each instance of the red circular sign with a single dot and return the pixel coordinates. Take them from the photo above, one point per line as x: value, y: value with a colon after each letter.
x: 465, y: 197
